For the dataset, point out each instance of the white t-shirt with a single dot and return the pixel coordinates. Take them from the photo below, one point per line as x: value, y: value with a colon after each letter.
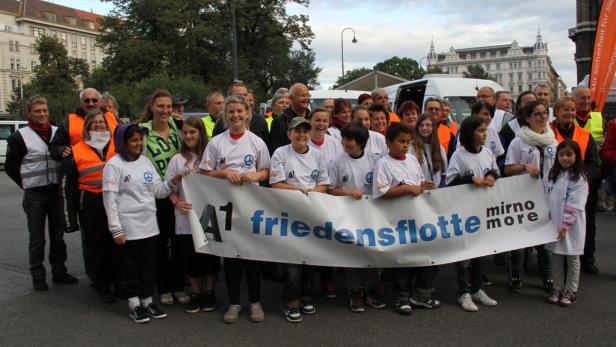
x: 390, y: 172
x: 426, y: 164
x: 335, y: 133
x: 493, y: 142
x: 522, y: 153
x: 515, y: 126
x: 464, y: 163
x: 376, y: 145
x: 137, y: 185
x: 348, y: 173
x: 298, y: 169
x: 177, y: 165
x: 247, y: 154
x: 330, y: 147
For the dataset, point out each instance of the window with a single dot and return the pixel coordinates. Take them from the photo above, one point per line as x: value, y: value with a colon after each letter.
x: 497, y: 66
x: 53, y: 33
x: 530, y: 87
x: 92, y: 44
x: 16, y: 46
x: 71, y: 20
x: 63, y: 38
x: 478, y: 55
x: 37, y: 32
x: 84, y: 42
x: 90, y: 25
x: 520, y: 76
x: 33, y: 65
x: 74, y: 41
x: 12, y: 64
x: 8, y: 28
x: 18, y: 65
x: 93, y: 58
x: 468, y: 57
x: 498, y: 53
x: 511, y: 77
x: 32, y: 48
x: 50, y: 16
x: 14, y: 84
x: 530, y: 76
x: 10, y: 45
x: 511, y: 89
x: 487, y: 54
x: 84, y: 55
x: 520, y: 88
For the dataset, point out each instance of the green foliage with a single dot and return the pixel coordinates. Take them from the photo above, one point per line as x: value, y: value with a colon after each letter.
x: 432, y: 69
x: 406, y: 68
x: 55, y: 78
x: 476, y: 71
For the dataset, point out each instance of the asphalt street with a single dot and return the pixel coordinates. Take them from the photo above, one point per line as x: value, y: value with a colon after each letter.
x: 74, y: 316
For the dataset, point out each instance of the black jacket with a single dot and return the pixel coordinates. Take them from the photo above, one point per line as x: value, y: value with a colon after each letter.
x: 278, y: 133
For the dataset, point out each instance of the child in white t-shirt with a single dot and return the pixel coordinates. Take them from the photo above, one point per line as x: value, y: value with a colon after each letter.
x: 472, y: 162
x: 130, y: 186
x: 238, y: 156
x: 350, y: 174
x: 493, y: 142
x: 376, y: 145
x: 298, y: 167
x: 319, y: 139
x: 201, y: 268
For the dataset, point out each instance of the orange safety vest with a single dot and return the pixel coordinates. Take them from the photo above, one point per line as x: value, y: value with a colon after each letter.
x: 444, y: 136
x: 454, y: 128
x: 90, y: 166
x: 393, y: 118
x: 580, y: 135
x: 268, y: 115
x: 75, y: 126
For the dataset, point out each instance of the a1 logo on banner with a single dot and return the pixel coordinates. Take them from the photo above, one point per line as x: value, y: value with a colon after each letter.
x: 209, y: 220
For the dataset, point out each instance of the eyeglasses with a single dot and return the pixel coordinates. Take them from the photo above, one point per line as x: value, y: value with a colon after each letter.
x: 540, y: 114
x: 87, y: 101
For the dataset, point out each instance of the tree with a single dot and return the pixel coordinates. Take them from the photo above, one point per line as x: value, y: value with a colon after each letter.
x: 476, y: 71
x: 406, y: 68
x: 55, y: 78
x: 432, y: 69
x: 351, y: 75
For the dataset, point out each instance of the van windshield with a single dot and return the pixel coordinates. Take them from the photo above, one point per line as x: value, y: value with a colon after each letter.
x: 5, y: 131
x: 460, y: 107
x: 318, y: 103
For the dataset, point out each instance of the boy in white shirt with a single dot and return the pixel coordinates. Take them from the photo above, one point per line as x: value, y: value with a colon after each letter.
x: 298, y: 167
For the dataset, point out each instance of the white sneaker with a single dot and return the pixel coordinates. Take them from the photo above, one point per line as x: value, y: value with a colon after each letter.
x: 466, y: 302
x: 232, y: 314
x: 484, y: 299
x: 166, y: 299
x: 181, y: 297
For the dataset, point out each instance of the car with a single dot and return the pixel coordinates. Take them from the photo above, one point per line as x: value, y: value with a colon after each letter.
x: 8, y: 127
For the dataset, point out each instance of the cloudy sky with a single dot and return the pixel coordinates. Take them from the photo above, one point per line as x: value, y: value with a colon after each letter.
x: 404, y: 28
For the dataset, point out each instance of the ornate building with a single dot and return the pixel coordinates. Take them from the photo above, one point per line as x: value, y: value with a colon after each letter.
x: 516, y: 68
x: 22, y: 22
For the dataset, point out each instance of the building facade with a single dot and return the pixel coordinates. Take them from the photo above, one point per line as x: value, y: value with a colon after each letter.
x: 516, y: 68
x: 22, y: 22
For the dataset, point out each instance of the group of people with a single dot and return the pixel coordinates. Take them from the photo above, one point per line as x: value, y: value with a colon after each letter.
x: 119, y: 184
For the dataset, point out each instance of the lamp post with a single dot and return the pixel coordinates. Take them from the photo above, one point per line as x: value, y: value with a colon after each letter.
x: 342, y: 45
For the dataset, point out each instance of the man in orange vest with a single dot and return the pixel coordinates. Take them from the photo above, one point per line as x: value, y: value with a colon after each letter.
x: 446, y: 119
x: 446, y: 137
x: 379, y: 96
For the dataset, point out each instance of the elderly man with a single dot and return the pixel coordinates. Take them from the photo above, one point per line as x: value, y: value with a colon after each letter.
x: 502, y: 114
x: 593, y: 122
x: 379, y: 96
x: 486, y: 94
x: 300, y: 103
x: 544, y: 94
x: 446, y: 137
x: 280, y: 102
x: 258, y: 125
x: 215, y: 104
x: 29, y: 164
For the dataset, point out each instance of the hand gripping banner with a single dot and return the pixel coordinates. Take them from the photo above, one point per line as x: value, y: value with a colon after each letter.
x: 438, y: 227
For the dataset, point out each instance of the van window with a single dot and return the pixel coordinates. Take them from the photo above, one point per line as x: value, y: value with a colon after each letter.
x: 414, y: 92
x: 318, y: 103
x: 460, y: 107
x: 5, y: 131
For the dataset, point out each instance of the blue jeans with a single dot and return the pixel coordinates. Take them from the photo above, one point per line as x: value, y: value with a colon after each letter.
x: 544, y: 262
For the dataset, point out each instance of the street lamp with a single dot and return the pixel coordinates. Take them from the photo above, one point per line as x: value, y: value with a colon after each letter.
x: 342, y: 45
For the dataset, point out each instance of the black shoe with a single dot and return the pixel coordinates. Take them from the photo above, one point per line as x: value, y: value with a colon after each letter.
x: 139, y: 315
x: 590, y: 269
x: 425, y: 303
x: 209, y: 301
x: 65, y: 279
x: 516, y: 284
x: 194, y: 305
x: 307, y: 307
x: 403, y: 307
x: 153, y: 311
x: 40, y: 285
x: 548, y: 284
x: 292, y: 315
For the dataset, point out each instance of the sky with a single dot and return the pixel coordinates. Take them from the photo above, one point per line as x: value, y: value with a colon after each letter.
x: 388, y: 28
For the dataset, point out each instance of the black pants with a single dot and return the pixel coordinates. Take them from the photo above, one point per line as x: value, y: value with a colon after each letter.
x: 588, y: 258
x: 195, y: 264
x: 298, y: 281
x: 39, y: 206
x: 98, y: 243
x: 138, y: 265
x: 415, y: 281
x: 234, y: 269
x: 169, y: 277
x: 469, y: 271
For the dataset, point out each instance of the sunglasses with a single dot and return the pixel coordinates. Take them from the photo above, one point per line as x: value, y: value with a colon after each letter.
x: 87, y: 101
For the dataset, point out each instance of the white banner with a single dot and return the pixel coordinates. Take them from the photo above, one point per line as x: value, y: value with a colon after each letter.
x: 441, y: 226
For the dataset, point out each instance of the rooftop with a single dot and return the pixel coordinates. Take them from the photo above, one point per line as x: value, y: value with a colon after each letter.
x: 52, y: 13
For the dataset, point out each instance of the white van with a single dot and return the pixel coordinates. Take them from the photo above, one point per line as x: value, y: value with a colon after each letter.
x: 8, y: 127
x: 459, y: 91
x: 318, y: 96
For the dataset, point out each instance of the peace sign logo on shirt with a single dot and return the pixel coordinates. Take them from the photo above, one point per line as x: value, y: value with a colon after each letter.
x: 493, y: 146
x: 147, y: 176
x: 369, y: 177
x: 249, y: 160
x: 314, y: 175
x: 551, y: 151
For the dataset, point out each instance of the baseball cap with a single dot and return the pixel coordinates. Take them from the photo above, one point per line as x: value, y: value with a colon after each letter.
x: 298, y: 122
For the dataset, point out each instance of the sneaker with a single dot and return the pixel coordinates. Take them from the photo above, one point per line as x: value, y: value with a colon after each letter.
x: 486, y: 281
x: 403, y: 307
x: 194, y: 305
x: 554, y: 297
x: 209, y: 302
x: 232, y: 315
x: 256, y: 313
x: 426, y: 303
x: 166, y: 299
x: 138, y: 315
x: 153, y: 311
x: 567, y: 299
x: 357, y: 301
x: 548, y: 284
x: 330, y: 290
x: 292, y: 315
x: 65, y: 279
x: 40, y: 285
x: 466, y: 302
x: 374, y: 301
x: 516, y: 284
x: 307, y: 307
x: 181, y: 297
x: 484, y: 299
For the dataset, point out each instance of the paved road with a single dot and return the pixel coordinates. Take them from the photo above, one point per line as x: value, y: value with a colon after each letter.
x: 73, y: 315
